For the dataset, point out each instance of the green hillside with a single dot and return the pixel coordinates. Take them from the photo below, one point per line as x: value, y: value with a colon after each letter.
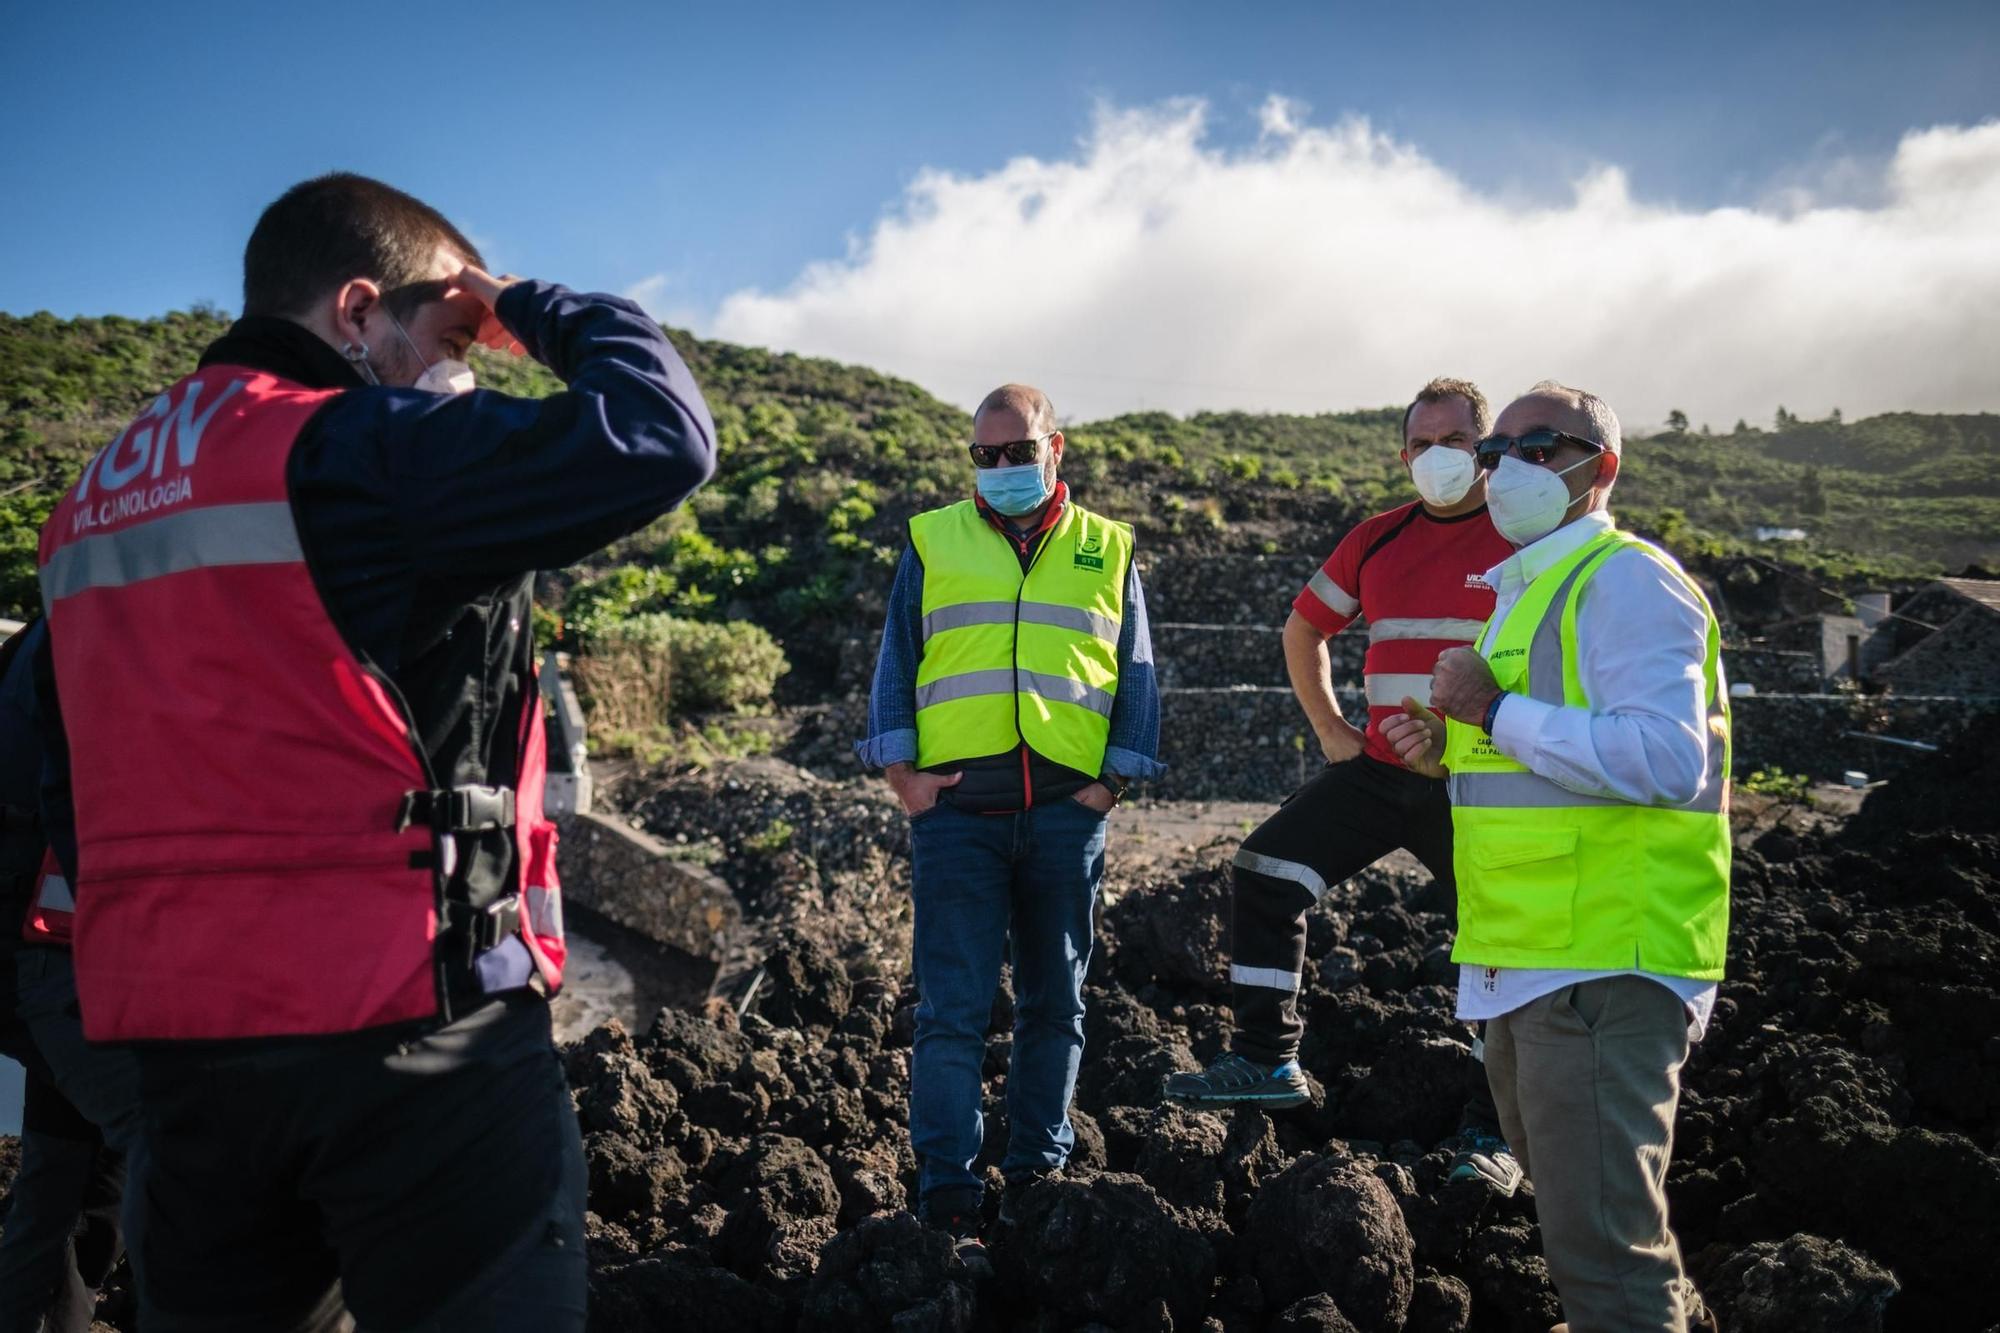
x: 823, y: 462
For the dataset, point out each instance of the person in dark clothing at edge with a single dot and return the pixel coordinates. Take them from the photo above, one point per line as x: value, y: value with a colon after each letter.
x: 62, y: 1236
x: 1013, y: 701
x: 1414, y: 573
x: 293, y: 645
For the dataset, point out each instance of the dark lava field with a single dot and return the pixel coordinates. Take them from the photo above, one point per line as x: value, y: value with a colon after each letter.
x: 1836, y: 1165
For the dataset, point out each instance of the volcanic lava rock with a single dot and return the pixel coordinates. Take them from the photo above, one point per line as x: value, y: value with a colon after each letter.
x: 1109, y: 1252
x: 630, y: 1184
x: 1174, y: 931
x: 1314, y: 1314
x: 615, y: 1090
x: 891, y: 1273
x: 1182, y: 1157
x: 1326, y: 1224
x: 1440, y: 1305
x: 805, y: 985
x: 676, y: 1291
x: 769, y: 1190
x: 1511, y: 1278
x: 1804, y: 1284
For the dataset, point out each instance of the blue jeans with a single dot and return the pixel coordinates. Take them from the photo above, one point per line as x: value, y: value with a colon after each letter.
x: 976, y: 881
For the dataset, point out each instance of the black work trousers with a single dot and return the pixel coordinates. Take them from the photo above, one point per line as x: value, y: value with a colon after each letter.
x: 62, y: 1236
x: 414, y: 1182
x: 1347, y: 817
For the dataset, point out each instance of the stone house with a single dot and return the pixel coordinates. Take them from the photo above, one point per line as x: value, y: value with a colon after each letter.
x: 1947, y: 641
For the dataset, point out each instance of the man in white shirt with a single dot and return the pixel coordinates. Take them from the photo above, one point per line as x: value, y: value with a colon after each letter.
x: 1587, y: 741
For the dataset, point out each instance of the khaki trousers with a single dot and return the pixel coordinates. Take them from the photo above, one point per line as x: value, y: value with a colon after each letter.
x: 1586, y: 1080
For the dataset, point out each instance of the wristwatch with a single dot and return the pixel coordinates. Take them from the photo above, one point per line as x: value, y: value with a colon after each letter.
x: 1116, y: 785
x: 1492, y: 711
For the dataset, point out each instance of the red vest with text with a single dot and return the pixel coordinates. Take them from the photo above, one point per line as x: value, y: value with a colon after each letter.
x: 238, y: 771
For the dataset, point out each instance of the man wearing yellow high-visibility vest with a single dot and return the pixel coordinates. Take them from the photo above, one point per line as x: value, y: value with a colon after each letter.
x: 1014, y: 699
x: 1586, y: 738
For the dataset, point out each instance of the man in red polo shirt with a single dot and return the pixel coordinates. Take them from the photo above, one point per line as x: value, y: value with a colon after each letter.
x: 1413, y: 573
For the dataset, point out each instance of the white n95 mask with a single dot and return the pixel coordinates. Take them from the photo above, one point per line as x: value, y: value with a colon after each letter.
x: 1443, y: 474
x: 1526, y: 502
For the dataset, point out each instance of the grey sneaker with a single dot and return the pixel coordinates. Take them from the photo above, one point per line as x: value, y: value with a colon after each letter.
x: 1484, y: 1156
x: 1235, y: 1081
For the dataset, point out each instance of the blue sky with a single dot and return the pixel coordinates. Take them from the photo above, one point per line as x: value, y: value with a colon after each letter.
x: 722, y: 148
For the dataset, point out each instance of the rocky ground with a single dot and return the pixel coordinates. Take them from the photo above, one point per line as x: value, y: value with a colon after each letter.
x: 1837, y: 1164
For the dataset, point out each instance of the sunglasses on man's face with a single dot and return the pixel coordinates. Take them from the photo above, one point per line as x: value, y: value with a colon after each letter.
x: 1537, y: 446
x: 1013, y: 451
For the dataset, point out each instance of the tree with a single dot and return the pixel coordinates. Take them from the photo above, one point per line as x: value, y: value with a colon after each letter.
x: 1677, y: 421
x: 1784, y: 419
x: 1835, y: 417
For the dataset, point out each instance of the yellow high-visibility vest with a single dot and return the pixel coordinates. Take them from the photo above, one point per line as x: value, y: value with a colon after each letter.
x: 1550, y: 878
x: 1009, y: 657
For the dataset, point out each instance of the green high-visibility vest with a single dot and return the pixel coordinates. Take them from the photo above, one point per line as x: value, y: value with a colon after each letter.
x: 1008, y: 657
x: 1550, y: 878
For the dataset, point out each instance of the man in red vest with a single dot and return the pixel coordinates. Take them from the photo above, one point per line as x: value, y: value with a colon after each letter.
x: 289, y: 611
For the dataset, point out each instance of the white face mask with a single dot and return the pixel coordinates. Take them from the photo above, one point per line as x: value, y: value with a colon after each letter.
x: 449, y: 375
x: 1443, y: 474
x: 1528, y: 502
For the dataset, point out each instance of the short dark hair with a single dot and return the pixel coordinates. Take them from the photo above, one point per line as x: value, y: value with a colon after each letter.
x: 1444, y: 387
x: 335, y: 228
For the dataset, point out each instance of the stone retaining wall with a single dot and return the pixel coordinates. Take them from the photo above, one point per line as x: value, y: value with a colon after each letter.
x: 1254, y: 744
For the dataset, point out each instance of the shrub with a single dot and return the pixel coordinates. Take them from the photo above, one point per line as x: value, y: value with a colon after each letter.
x: 634, y: 675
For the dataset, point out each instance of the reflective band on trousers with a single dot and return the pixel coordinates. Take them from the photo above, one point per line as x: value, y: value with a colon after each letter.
x: 964, y: 615
x: 1415, y: 627
x: 1002, y: 680
x: 246, y: 534
x: 1268, y: 977
x: 1337, y: 598
x: 1296, y: 871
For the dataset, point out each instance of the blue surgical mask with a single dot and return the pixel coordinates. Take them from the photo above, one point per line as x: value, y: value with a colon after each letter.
x: 1015, y: 489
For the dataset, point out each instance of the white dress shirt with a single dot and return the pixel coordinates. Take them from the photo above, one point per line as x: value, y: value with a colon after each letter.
x: 1641, y: 640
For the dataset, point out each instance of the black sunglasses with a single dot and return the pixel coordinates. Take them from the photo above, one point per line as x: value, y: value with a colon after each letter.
x: 1537, y: 446
x: 1014, y: 451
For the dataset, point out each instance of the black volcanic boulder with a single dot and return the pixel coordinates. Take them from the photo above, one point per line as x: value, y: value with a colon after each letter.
x: 770, y: 1191
x: 890, y: 1273
x: 1510, y: 1276
x: 805, y: 985
x: 1183, y: 1157
x: 1108, y: 1252
x: 617, y: 1093
x: 1314, y: 1314
x: 1327, y: 1224
x: 1440, y: 1305
x: 1805, y: 1284
x: 1174, y: 932
x: 677, y: 1291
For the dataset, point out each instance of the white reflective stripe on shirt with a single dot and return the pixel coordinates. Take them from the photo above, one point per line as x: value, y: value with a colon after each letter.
x: 1423, y: 627
x: 1331, y: 595
x: 1388, y: 689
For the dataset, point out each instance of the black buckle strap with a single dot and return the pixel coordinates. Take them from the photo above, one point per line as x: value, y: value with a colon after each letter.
x: 458, y: 809
x: 483, y: 927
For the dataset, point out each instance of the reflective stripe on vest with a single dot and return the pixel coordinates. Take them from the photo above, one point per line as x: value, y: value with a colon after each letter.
x: 51, y: 918
x: 1548, y: 877
x: 1011, y: 658
x: 238, y: 770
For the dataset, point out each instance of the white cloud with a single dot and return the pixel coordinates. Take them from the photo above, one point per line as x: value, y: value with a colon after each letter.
x: 1328, y: 266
